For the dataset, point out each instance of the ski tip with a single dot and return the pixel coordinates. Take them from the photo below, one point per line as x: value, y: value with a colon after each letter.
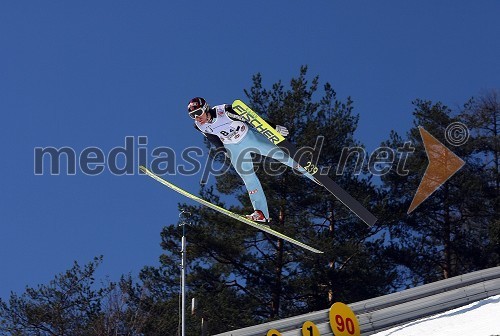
x: 143, y: 169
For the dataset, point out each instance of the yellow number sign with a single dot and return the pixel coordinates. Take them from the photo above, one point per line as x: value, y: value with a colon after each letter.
x: 343, y: 321
x: 310, y: 329
x: 273, y: 332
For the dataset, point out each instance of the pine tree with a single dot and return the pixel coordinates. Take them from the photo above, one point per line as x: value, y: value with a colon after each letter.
x: 482, y: 115
x: 68, y: 305
x: 445, y: 235
x: 242, y: 276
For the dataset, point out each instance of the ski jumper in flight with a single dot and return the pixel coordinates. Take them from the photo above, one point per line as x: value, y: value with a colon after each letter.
x: 227, y: 131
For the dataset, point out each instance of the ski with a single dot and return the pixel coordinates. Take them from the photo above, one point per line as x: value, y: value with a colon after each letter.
x: 276, y: 138
x: 226, y: 212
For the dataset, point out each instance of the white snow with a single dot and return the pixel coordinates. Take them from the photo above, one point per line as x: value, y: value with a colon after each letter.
x: 481, y: 318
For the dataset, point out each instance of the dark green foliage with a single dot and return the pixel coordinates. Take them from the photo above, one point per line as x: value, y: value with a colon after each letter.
x: 68, y: 305
x: 447, y: 234
x: 482, y: 114
x: 241, y: 277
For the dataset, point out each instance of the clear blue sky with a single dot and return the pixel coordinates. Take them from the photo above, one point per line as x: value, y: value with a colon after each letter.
x: 89, y: 73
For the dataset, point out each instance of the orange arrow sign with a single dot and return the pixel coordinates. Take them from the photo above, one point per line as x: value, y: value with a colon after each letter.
x: 443, y: 163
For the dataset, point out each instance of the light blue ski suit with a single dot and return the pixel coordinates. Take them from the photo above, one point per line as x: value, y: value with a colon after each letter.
x: 240, y: 140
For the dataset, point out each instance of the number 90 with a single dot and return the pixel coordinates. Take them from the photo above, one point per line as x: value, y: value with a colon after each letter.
x: 344, y: 325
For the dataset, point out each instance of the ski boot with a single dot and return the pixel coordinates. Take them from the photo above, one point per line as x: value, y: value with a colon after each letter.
x: 258, y: 216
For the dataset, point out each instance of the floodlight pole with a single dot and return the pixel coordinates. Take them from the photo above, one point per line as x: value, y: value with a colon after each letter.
x: 183, y: 223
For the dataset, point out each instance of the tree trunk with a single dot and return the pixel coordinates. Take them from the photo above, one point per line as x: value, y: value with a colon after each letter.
x: 447, y: 235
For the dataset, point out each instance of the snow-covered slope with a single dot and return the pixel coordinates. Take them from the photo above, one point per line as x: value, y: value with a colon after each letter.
x: 481, y: 318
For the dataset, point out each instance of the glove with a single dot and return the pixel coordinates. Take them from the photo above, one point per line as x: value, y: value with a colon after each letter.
x: 282, y: 130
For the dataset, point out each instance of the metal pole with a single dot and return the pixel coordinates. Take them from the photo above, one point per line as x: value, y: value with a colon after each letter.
x: 183, y: 283
x: 183, y: 271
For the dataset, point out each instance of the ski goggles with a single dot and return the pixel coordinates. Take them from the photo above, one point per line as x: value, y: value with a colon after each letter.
x: 196, y: 113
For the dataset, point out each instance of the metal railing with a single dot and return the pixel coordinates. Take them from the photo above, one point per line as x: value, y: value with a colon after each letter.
x: 390, y: 310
